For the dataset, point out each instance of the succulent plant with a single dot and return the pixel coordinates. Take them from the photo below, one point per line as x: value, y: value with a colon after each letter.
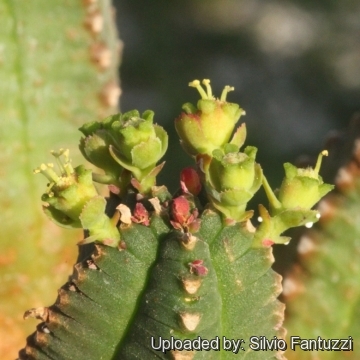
x: 186, y: 276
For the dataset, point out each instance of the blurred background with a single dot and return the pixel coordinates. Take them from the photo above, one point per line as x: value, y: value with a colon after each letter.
x: 295, y: 66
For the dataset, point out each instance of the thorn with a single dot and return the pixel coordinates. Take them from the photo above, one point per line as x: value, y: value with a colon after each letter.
x: 191, y: 286
x: 190, y: 321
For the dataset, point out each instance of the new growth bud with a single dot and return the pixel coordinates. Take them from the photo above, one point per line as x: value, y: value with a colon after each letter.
x: 190, y: 181
x: 184, y: 215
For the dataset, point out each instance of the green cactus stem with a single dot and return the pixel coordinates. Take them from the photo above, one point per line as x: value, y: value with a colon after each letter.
x: 181, y: 301
x: 179, y: 268
x: 94, y: 308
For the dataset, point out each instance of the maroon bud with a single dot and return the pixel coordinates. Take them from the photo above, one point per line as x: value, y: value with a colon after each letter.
x: 190, y: 181
x: 141, y: 215
x: 197, y: 268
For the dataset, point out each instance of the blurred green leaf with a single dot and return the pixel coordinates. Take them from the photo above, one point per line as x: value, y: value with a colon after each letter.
x: 52, y: 79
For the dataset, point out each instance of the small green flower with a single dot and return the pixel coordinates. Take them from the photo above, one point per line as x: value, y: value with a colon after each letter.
x: 95, y: 149
x: 72, y: 201
x: 232, y: 179
x: 208, y: 126
x: 67, y: 193
x: 300, y: 190
x: 303, y: 187
x: 132, y: 141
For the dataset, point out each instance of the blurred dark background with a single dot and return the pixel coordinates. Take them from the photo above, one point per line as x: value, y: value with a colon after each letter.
x: 295, y: 66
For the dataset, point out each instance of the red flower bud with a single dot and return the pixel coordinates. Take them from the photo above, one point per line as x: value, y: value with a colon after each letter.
x: 184, y: 215
x: 141, y: 215
x: 190, y: 181
x: 197, y: 268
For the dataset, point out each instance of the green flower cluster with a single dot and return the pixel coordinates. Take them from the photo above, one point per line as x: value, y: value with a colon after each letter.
x: 128, y: 146
x: 232, y: 177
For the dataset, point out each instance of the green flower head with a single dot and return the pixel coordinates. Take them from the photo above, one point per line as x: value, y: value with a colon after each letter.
x: 129, y: 140
x: 300, y: 190
x: 138, y: 142
x: 68, y: 192
x: 208, y: 126
x: 303, y: 187
x: 232, y: 180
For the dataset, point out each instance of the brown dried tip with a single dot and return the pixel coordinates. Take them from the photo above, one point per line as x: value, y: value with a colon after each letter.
x: 191, y: 286
x: 110, y: 94
x: 91, y: 265
x: 190, y: 321
x: 40, y: 313
x: 155, y: 202
x: 122, y: 245
x: 41, y: 338
x: 125, y: 212
x: 94, y: 21
x: 100, y: 55
x: 188, y: 241
x: 182, y: 355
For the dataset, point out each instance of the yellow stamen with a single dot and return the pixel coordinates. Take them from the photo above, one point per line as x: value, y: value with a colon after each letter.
x: 48, y: 172
x: 206, y: 82
x: 64, y: 166
x: 226, y: 90
x: 196, y: 84
x: 319, y: 160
